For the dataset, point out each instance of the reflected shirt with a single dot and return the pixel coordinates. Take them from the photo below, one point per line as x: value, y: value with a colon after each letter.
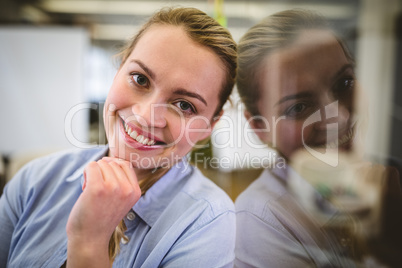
x: 274, y: 229
x: 184, y: 219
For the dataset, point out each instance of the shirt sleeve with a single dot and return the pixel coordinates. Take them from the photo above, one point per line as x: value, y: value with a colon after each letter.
x: 261, y: 244
x: 210, y: 245
x: 11, y: 207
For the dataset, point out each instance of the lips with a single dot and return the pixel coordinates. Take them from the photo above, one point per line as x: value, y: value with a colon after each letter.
x: 140, y: 137
x: 343, y: 140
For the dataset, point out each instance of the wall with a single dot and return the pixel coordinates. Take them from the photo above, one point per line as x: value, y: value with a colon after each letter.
x: 41, y: 79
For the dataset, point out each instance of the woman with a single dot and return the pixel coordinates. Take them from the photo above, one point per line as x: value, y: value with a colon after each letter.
x: 162, y: 101
x: 297, y: 81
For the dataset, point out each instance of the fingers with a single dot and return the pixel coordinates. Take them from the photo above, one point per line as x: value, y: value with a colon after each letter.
x: 126, y: 167
x: 108, y: 172
x: 129, y: 171
x: 115, y: 173
x: 392, y: 185
x: 92, y: 175
x: 377, y: 174
x: 126, y: 174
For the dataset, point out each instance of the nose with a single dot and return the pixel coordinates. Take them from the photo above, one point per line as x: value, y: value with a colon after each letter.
x: 334, y: 114
x: 150, y: 114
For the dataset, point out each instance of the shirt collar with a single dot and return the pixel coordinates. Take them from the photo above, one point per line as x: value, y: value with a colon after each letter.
x: 304, y: 194
x: 88, y: 156
x: 320, y: 209
x: 152, y: 204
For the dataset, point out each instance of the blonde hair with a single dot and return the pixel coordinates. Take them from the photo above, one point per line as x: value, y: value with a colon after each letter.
x: 274, y: 32
x: 205, y: 31
x: 202, y: 29
x: 118, y: 234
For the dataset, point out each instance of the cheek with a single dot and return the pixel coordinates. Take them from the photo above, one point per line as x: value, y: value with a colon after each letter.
x: 289, y: 136
x: 120, y: 91
x: 117, y: 98
x: 195, y: 130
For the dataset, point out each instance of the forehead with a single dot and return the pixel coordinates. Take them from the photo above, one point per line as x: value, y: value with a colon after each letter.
x: 309, y: 63
x: 161, y: 43
x: 180, y: 62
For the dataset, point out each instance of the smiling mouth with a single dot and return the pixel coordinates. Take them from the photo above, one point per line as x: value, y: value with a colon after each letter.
x: 140, y: 138
x: 346, y: 138
x: 342, y: 140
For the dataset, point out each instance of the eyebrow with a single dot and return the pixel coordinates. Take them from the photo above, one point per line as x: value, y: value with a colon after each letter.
x: 178, y: 91
x: 190, y: 94
x: 345, y: 67
x: 300, y: 95
x: 145, y: 68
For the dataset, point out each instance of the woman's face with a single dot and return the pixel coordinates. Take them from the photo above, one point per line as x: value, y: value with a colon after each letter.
x: 307, y: 95
x: 163, y: 98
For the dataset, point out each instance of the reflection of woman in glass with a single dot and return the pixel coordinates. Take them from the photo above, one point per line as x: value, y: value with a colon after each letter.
x: 297, y: 81
x: 174, y: 78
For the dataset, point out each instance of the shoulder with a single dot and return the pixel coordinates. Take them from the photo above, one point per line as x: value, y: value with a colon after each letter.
x: 188, y: 213
x: 200, y: 203
x: 264, y: 203
x: 265, y: 190
x: 184, y: 194
x: 66, y: 159
x: 202, y: 190
x: 198, y: 224
x: 46, y: 171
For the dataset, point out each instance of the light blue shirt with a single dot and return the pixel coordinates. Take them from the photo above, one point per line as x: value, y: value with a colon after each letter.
x: 275, y: 230
x: 184, y: 220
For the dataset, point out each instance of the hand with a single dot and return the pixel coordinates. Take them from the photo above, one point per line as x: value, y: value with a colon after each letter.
x: 368, y: 195
x: 387, y: 245
x: 110, y: 190
x: 379, y: 236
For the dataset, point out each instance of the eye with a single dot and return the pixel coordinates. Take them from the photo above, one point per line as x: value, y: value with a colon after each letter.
x: 344, y: 86
x: 185, y: 106
x: 347, y: 83
x: 296, y: 110
x: 141, y: 80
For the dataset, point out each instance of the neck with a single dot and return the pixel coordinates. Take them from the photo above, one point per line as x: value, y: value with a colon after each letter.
x: 148, y: 177
x: 143, y: 174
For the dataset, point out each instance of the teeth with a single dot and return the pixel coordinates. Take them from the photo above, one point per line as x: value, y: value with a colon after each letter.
x: 333, y: 144
x: 133, y: 134
x: 140, y: 138
x: 347, y: 137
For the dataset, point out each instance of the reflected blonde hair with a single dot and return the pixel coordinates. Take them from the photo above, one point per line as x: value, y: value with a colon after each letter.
x: 272, y: 33
x: 205, y: 31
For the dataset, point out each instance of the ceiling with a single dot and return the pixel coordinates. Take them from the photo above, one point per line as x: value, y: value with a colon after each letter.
x: 116, y: 20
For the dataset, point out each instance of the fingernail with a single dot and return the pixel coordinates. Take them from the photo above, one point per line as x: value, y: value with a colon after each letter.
x: 85, y: 181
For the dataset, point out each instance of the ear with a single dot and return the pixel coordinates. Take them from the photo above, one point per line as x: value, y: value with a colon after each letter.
x: 260, y: 127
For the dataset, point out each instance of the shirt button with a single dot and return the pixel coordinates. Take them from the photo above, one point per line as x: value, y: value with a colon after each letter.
x: 130, y: 216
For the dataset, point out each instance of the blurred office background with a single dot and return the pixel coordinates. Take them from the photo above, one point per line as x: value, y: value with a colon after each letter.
x: 57, y: 64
